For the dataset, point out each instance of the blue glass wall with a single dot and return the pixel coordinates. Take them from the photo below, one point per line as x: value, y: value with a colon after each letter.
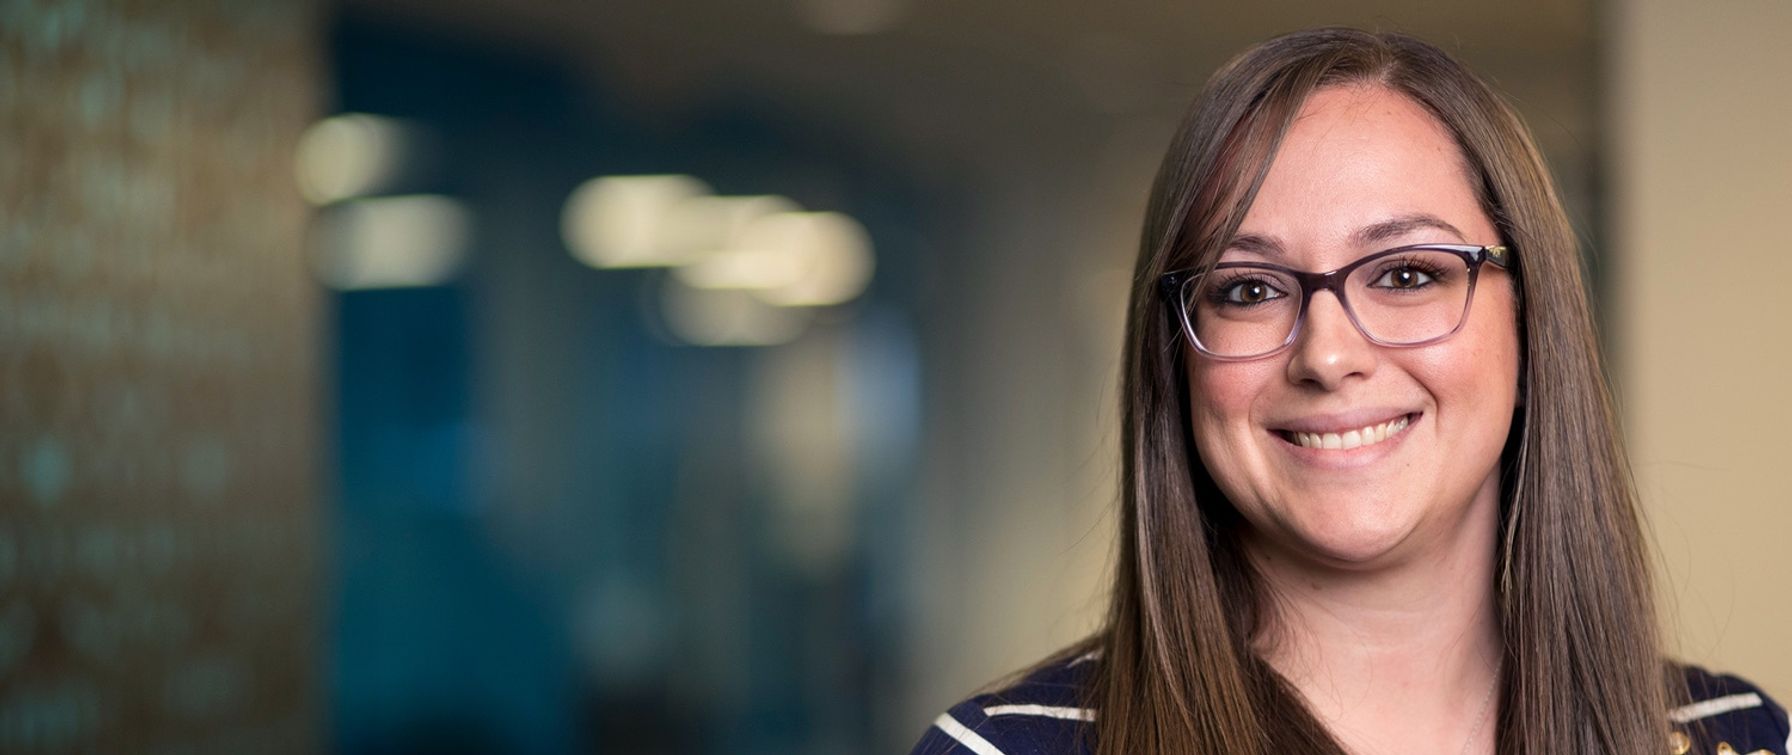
x: 556, y: 529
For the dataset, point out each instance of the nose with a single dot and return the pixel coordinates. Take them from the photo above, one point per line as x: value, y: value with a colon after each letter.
x: 1330, y: 351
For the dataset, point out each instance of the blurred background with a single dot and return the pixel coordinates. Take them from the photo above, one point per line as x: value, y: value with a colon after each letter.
x: 665, y: 376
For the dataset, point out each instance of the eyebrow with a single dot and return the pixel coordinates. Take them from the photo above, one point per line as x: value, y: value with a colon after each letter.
x: 1402, y: 225
x: 1269, y: 246
x: 1266, y: 246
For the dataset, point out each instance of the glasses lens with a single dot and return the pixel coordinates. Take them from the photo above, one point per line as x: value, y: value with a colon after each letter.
x: 1410, y: 297
x: 1241, y: 311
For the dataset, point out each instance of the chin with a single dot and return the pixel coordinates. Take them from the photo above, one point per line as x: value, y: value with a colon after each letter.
x: 1353, y: 543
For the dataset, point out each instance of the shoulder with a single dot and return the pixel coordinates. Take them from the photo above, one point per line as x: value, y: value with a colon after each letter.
x: 1042, y: 714
x: 1728, y: 715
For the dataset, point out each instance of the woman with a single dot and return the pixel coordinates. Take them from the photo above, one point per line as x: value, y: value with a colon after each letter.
x: 1373, y: 496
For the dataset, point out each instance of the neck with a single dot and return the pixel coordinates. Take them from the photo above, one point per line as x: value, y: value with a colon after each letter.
x: 1399, y: 658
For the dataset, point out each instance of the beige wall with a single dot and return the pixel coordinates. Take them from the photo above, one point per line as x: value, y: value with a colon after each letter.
x: 1701, y: 169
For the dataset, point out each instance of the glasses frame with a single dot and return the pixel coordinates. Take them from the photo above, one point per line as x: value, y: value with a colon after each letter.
x: 1171, y: 286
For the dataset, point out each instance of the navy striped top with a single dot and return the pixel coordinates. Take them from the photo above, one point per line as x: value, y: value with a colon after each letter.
x: 1043, y: 714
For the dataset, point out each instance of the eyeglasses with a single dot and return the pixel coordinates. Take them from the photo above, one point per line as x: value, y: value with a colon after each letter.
x: 1407, y: 296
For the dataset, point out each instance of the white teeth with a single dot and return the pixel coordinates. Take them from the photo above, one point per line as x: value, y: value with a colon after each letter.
x: 1366, y: 436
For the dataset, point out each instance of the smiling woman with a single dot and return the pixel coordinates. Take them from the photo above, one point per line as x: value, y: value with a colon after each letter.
x: 1373, y: 498
x: 1357, y: 153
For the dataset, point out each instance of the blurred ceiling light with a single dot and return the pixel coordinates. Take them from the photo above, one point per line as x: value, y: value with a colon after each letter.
x: 851, y: 16
x: 351, y: 155
x: 627, y: 221
x: 791, y: 259
x: 391, y: 242
x: 727, y: 318
x: 837, y: 255
x: 702, y: 226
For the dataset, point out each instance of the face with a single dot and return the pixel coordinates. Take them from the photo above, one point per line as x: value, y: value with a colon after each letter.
x: 1356, y: 157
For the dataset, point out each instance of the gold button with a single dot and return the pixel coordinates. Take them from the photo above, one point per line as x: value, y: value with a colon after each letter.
x: 1724, y: 748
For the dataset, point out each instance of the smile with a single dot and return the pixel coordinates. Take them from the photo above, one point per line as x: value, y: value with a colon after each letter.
x: 1348, y: 439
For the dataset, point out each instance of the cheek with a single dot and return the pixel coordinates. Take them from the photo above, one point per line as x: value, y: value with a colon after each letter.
x: 1221, y: 395
x: 1496, y: 338
x: 1475, y: 378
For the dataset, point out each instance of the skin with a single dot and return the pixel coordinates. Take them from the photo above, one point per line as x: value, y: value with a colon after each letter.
x: 1382, y: 557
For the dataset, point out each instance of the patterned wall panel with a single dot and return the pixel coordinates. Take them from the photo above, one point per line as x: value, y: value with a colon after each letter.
x: 158, y: 379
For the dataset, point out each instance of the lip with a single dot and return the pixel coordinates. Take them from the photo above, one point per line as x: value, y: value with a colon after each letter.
x: 1341, y: 458
x: 1338, y: 422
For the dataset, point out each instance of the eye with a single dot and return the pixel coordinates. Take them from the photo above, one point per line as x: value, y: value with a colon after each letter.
x: 1249, y: 291
x: 1404, y: 277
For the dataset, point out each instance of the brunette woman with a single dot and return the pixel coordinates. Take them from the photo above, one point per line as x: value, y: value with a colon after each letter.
x: 1373, y: 494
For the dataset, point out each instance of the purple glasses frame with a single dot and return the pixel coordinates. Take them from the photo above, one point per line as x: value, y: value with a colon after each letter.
x: 1171, y: 284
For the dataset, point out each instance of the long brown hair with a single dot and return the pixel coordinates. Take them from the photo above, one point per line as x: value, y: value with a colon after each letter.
x: 1583, y: 669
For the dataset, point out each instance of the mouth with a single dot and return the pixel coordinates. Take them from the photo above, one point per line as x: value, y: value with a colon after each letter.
x: 1346, y: 439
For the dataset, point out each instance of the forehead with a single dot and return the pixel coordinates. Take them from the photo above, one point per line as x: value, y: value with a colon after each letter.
x: 1356, y: 156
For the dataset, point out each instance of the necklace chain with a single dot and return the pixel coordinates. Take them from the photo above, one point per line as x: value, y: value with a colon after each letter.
x: 1486, y: 707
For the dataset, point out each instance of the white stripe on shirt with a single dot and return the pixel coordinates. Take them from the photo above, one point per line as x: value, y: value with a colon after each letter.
x: 1712, y: 707
x: 1069, y: 714
x: 970, y: 739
